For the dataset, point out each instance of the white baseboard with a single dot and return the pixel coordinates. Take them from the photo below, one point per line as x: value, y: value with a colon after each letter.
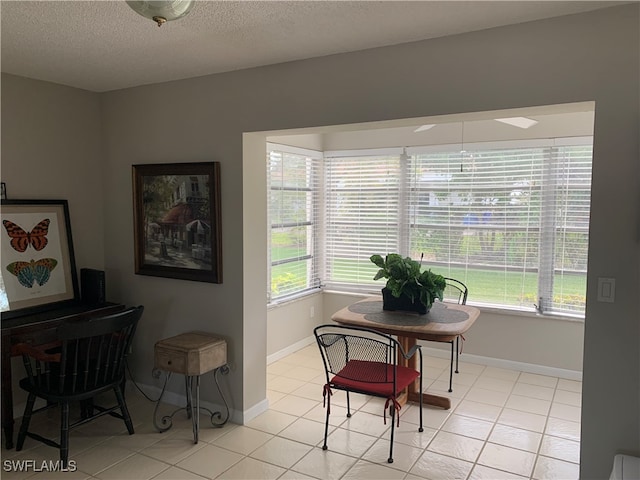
x: 466, y: 357
x: 180, y: 399
x: 242, y: 417
x: 510, y: 364
x: 290, y: 349
x: 254, y: 411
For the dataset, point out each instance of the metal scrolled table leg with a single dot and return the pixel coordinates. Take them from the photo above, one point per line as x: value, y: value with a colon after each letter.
x: 167, y: 420
x: 193, y: 406
x: 216, y: 417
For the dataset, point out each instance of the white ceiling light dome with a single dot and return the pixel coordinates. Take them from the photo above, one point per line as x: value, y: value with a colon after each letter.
x: 162, y: 11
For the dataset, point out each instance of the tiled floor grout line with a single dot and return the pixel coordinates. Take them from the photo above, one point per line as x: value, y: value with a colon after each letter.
x: 436, y: 382
x: 544, y: 430
x: 495, y: 422
x: 382, y: 436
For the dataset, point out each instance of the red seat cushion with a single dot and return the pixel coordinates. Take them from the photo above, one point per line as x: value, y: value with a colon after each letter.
x: 375, y: 378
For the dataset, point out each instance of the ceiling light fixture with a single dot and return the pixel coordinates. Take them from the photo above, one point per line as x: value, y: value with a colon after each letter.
x: 162, y: 12
x: 423, y: 128
x: 520, y: 122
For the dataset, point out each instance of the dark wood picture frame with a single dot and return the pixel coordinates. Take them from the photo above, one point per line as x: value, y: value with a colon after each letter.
x: 177, y: 221
x: 37, y: 262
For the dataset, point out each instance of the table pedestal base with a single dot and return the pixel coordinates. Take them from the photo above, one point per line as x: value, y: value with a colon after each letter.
x: 429, y: 399
x: 407, y: 344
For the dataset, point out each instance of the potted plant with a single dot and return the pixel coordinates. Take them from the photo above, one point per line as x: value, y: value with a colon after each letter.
x: 408, y: 288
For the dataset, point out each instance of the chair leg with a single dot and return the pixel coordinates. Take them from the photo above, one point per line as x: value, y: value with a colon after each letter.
x: 457, y: 351
x: 86, y: 408
x: 124, y: 409
x: 348, y: 406
x: 420, y: 429
x: 451, y: 368
x: 26, y: 419
x: 393, y: 425
x: 187, y: 389
x: 64, y: 434
x: 326, y: 429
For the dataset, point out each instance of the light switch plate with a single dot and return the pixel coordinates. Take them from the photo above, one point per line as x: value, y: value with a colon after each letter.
x: 606, y: 289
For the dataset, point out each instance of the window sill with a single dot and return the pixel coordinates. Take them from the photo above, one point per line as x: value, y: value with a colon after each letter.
x: 530, y: 314
x: 293, y: 298
x: 484, y: 309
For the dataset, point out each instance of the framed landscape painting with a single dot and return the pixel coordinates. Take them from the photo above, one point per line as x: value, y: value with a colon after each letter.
x: 177, y: 221
x: 38, y: 267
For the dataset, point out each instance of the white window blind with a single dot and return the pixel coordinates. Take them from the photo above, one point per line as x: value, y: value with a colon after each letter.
x: 571, y: 235
x: 511, y: 223
x: 363, y: 216
x: 293, y: 186
x: 475, y: 216
x: 509, y: 219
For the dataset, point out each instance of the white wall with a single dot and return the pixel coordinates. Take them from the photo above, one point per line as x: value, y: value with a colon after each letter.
x: 293, y: 322
x: 567, y: 121
x: 592, y: 56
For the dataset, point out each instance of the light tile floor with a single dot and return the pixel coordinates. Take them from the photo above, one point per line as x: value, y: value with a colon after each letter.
x: 503, y: 424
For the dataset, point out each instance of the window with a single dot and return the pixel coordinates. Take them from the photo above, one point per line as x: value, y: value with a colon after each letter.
x: 293, y: 179
x: 363, y: 215
x: 510, y: 219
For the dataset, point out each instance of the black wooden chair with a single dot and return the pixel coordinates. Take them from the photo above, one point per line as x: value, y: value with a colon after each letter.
x: 366, y: 361
x: 455, y: 291
x: 87, y: 360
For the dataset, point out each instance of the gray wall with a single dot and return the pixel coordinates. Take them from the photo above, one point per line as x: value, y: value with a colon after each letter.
x: 577, y: 58
x: 51, y: 149
x: 593, y: 56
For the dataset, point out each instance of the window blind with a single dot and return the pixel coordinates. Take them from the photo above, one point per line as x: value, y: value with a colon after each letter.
x: 293, y: 213
x: 511, y: 223
x: 509, y: 219
x: 571, y: 235
x: 475, y: 216
x: 362, y: 208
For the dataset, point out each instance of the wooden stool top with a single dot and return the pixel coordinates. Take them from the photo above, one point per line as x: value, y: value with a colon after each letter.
x: 190, y: 341
x: 191, y: 353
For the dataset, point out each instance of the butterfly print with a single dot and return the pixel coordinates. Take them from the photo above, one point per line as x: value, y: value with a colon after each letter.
x: 33, y: 271
x: 20, y: 239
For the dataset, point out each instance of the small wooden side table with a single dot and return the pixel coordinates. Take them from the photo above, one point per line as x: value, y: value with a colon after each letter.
x: 191, y: 354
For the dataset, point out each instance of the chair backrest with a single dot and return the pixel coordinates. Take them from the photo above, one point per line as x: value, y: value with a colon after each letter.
x: 91, y: 354
x: 94, y: 351
x: 456, y: 291
x: 360, y: 348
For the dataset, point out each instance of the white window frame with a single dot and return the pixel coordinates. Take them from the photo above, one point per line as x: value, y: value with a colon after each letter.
x: 313, y: 283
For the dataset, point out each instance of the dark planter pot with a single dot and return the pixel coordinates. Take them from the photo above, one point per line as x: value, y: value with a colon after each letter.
x: 402, y: 303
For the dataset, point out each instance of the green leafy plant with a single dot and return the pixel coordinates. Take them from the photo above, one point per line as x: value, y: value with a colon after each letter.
x: 404, y: 276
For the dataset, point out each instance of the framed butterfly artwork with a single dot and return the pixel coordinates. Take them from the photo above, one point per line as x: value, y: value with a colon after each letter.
x: 177, y: 228
x: 37, y: 264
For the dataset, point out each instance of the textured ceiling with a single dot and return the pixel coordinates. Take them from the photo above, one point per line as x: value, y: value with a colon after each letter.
x: 104, y: 45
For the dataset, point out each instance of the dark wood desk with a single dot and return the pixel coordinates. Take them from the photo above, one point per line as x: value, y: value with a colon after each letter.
x: 443, y: 323
x: 37, y: 329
